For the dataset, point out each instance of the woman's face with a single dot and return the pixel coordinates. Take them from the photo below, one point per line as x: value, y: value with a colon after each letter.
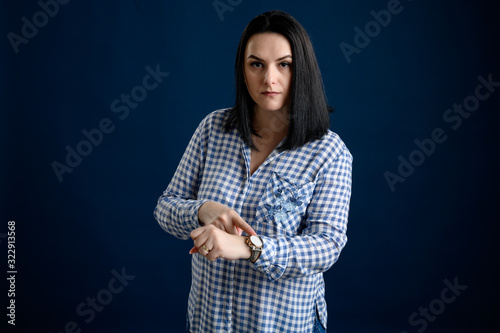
x: 268, y: 71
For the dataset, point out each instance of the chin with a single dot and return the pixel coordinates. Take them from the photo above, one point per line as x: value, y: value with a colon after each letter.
x: 271, y: 107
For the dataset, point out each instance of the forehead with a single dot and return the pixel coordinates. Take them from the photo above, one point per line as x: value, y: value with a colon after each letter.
x: 268, y: 45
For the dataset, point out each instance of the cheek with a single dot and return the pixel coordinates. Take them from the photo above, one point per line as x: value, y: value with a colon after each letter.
x: 252, y: 81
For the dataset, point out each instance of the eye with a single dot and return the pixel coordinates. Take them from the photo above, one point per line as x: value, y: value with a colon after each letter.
x: 256, y: 64
x: 284, y: 64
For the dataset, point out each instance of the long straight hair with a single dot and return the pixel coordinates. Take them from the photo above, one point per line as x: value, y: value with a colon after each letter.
x: 308, y: 109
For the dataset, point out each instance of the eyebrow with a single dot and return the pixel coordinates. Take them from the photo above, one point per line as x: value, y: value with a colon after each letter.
x: 259, y: 59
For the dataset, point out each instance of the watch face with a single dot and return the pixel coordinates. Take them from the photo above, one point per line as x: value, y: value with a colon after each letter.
x: 256, y: 241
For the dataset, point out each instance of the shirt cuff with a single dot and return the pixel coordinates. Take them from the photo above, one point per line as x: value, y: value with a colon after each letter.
x: 270, y: 261
x: 192, y: 214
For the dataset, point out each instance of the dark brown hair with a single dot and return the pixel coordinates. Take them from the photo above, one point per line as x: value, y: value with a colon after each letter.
x: 308, y: 112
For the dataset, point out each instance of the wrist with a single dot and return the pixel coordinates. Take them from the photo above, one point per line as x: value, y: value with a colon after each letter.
x: 203, y: 212
x: 255, y: 245
x: 246, y: 252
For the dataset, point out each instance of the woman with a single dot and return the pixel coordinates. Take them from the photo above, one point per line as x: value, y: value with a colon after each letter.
x: 271, y: 168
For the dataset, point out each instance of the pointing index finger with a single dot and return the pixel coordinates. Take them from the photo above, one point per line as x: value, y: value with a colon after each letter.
x: 241, y: 226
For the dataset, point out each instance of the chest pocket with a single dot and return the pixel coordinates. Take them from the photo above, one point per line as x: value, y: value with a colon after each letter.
x: 283, y: 206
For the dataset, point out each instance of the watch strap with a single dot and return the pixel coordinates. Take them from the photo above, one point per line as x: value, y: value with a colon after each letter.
x: 256, y: 251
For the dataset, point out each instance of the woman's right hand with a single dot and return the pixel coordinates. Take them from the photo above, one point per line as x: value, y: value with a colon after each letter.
x: 224, y: 218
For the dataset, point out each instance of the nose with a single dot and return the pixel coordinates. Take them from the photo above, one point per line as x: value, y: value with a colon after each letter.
x: 270, y: 76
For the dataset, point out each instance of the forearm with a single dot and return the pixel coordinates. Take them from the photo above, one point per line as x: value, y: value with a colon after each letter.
x: 177, y: 216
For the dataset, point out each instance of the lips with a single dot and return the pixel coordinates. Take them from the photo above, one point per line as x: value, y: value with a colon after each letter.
x: 270, y: 93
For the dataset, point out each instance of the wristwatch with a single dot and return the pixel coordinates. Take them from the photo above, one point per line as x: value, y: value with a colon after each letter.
x: 255, y: 243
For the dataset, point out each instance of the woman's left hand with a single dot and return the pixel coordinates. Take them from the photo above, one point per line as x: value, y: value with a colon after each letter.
x: 214, y: 243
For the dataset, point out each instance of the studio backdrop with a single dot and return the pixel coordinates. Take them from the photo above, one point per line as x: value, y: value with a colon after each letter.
x: 100, y: 98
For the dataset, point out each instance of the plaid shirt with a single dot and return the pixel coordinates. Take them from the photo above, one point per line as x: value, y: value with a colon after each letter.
x: 297, y: 201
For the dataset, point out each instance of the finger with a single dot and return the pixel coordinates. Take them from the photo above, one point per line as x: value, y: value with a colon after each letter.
x: 242, y: 225
x: 197, y: 232
x: 194, y: 250
x: 203, y: 251
x: 206, y: 238
x: 205, y: 248
x: 201, y: 235
x: 200, y: 241
x: 209, y: 245
x: 213, y: 255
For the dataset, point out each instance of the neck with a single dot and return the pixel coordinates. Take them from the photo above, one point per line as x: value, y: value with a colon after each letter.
x: 271, y: 121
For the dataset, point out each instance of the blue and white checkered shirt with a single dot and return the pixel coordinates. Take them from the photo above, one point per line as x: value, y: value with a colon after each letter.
x: 297, y: 201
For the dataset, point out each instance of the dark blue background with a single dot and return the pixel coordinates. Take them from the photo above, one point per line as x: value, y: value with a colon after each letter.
x: 439, y: 224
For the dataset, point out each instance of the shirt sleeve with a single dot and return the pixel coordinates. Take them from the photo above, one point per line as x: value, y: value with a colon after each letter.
x: 319, y: 245
x: 177, y: 209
